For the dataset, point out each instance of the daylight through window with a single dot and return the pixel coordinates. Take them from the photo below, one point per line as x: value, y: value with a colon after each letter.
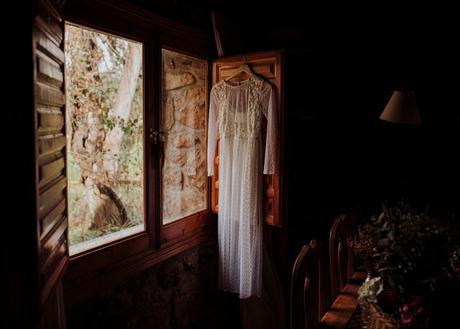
x: 105, y: 148
x: 184, y: 127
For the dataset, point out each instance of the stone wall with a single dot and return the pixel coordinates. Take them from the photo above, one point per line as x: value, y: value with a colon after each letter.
x: 184, y: 123
x: 178, y: 293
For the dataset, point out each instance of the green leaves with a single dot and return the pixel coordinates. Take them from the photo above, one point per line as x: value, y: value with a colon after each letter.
x: 109, y: 124
x: 409, y: 245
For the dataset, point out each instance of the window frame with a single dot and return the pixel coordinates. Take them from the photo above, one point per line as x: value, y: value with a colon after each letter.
x: 107, y: 265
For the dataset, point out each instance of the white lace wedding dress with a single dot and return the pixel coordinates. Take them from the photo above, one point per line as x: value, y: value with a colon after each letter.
x: 235, y: 115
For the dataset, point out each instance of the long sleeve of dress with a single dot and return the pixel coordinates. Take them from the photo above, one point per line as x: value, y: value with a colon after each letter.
x: 271, y: 141
x: 213, y: 128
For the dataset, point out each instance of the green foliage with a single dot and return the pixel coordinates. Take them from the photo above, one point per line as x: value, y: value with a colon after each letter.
x: 408, y: 245
x: 412, y: 251
x: 109, y: 123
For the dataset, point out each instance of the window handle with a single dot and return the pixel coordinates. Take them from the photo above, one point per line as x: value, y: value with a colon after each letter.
x: 156, y: 137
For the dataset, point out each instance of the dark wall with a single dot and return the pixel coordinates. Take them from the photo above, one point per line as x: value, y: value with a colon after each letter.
x: 341, y: 156
x: 19, y: 266
x: 178, y: 293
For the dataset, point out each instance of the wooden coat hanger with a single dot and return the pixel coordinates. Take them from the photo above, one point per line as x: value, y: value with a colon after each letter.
x: 242, y: 68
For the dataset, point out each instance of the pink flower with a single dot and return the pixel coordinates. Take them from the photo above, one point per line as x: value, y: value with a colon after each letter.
x: 407, y: 318
x: 411, y: 310
x: 455, y: 274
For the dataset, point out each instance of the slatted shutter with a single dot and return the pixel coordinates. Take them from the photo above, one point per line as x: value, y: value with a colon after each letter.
x: 50, y: 134
x: 269, y: 66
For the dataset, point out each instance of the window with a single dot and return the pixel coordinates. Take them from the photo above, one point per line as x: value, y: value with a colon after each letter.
x: 105, y: 137
x: 184, y: 181
x: 99, y: 159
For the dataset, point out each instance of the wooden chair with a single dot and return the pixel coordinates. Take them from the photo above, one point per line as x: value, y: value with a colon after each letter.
x: 344, y: 282
x: 340, y: 255
x: 307, y: 287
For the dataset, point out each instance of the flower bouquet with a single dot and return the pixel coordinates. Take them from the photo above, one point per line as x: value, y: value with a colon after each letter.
x: 413, y: 263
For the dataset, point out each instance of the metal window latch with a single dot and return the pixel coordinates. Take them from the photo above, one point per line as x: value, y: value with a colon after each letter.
x: 157, y: 139
x: 156, y: 136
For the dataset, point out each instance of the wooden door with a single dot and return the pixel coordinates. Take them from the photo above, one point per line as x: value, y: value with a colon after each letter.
x: 267, y: 65
x: 50, y: 144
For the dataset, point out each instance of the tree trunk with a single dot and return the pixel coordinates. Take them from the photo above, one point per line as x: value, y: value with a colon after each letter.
x: 122, y: 108
x: 101, y: 206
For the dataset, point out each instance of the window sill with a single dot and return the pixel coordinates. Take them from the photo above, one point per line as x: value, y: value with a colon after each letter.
x: 86, y: 246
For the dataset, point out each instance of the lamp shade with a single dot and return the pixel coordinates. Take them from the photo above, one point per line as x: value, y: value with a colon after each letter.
x: 401, y: 108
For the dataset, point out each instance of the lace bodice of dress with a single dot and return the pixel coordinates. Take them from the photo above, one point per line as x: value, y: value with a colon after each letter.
x: 235, y: 112
x: 236, y: 120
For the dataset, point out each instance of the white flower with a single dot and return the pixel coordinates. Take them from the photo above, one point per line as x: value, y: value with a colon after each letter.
x: 369, y: 290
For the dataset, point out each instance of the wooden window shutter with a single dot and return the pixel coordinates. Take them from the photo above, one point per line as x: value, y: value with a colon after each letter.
x: 269, y: 66
x: 50, y: 134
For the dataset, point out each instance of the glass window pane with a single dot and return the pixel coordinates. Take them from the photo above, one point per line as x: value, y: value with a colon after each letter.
x: 105, y: 151
x: 184, y: 182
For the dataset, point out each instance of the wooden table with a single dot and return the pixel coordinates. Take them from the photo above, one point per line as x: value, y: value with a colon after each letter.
x: 344, y: 312
x: 356, y: 321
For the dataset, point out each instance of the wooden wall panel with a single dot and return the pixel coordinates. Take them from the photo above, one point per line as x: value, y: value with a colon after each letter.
x: 50, y: 121
x: 51, y: 180
x: 48, y: 71
x: 269, y: 66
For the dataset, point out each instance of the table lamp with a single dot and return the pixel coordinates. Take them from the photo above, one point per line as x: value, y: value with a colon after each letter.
x: 401, y: 108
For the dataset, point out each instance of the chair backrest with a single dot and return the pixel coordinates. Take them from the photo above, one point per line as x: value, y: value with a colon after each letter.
x: 307, y: 281
x: 340, y: 254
